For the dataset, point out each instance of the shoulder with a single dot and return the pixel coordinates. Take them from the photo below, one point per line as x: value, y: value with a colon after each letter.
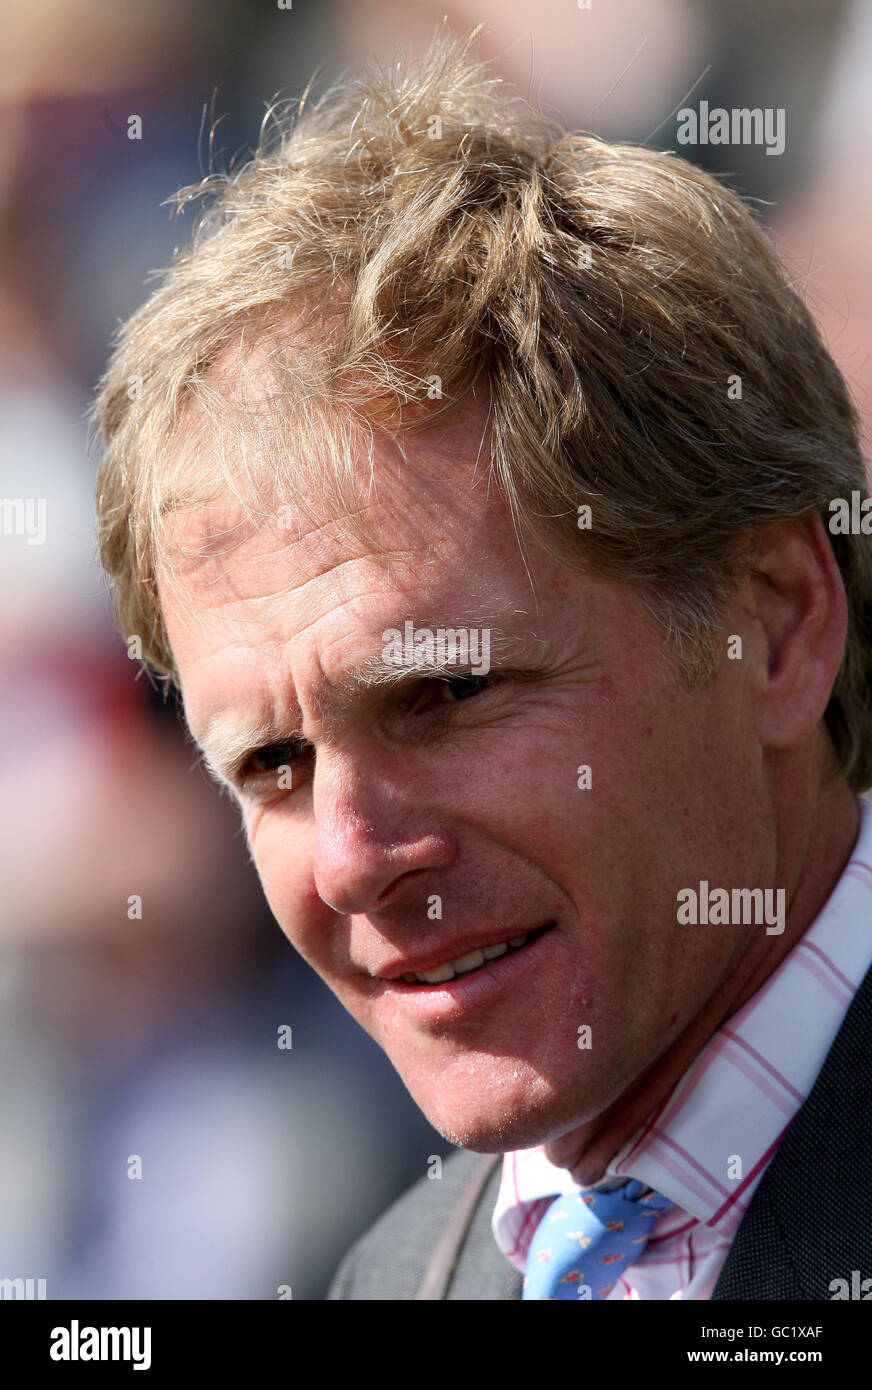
x: 438, y: 1224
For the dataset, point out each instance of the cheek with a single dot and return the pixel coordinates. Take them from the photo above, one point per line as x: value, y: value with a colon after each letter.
x: 283, y: 859
x: 519, y: 786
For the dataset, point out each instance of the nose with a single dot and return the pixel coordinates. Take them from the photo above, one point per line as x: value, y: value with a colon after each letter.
x: 373, y: 832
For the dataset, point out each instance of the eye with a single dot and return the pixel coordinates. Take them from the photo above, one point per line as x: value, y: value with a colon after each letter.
x: 461, y: 688
x: 274, y: 755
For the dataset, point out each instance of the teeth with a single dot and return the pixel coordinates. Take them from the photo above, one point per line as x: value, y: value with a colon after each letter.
x: 438, y: 975
x: 471, y: 961
x: 462, y: 965
x: 494, y: 952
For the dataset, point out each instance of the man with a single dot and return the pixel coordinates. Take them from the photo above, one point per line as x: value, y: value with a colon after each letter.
x: 475, y: 488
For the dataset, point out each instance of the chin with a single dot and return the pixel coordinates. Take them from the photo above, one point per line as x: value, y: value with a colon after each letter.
x: 492, y: 1109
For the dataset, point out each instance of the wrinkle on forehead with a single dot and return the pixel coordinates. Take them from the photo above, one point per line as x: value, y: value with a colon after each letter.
x: 422, y: 501
x: 417, y: 514
x: 214, y: 523
x: 259, y: 425
x: 215, y: 550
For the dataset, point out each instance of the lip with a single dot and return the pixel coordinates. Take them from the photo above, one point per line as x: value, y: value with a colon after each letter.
x: 396, y: 968
x: 479, y: 990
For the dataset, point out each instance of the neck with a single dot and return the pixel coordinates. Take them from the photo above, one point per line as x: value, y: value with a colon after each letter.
x: 830, y: 837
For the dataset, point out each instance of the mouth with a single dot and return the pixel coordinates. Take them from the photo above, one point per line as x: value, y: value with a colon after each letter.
x: 477, y: 962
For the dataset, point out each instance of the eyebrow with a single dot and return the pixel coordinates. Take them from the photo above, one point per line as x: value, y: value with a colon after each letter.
x: 224, y: 743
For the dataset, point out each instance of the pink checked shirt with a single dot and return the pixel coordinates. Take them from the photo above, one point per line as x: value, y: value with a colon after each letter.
x: 734, y: 1102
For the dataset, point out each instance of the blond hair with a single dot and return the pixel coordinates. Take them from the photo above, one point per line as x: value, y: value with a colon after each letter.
x: 416, y: 235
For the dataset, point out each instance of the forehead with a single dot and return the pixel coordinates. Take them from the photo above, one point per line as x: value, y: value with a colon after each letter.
x: 431, y: 540
x: 261, y: 473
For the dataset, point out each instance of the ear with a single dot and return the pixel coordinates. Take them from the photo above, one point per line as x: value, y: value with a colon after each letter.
x: 794, y: 595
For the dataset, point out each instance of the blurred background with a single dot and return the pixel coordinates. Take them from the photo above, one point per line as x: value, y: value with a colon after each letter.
x: 155, y: 1036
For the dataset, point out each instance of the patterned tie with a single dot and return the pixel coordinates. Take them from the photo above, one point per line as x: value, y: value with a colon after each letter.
x: 585, y: 1241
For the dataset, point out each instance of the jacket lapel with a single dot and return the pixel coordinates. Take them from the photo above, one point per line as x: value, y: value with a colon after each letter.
x: 810, y: 1219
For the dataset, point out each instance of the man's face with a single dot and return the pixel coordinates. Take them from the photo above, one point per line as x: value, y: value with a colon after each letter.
x: 428, y: 820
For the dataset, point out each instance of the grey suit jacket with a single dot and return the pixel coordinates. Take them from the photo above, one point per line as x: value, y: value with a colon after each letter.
x: 808, y: 1223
